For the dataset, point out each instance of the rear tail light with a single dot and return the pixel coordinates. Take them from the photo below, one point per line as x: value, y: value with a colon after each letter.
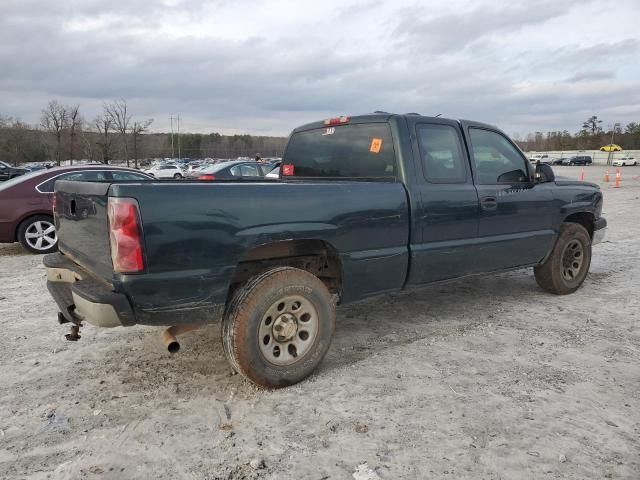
x: 287, y: 170
x: 337, y: 120
x: 125, y: 235
x: 207, y: 177
x: 53, y: 202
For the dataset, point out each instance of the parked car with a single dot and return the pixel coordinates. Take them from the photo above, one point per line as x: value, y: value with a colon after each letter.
x: 191, y: 166
x: 366, y: 205
x: 558, y: 161
x: 624, y: 161
x: 538, y: 156
x: 32, y: 167
x: 274, y: 173
x: 612, y: 147
x: 26, y: 202
x: 166, y: 171
x: 578, y: 160
x: 7, y: 171
x: 230, y: 170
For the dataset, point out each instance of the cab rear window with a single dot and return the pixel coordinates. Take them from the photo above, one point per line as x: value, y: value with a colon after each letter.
x: 359, y: 151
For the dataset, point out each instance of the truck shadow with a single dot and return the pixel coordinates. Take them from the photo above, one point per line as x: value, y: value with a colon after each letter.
x: 362, y: 329
x: 422, y: 313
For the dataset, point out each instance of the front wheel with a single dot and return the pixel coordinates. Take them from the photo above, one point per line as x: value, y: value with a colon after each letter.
x: 278, y: 327
x: 567, y: 266
x: 38, y: 234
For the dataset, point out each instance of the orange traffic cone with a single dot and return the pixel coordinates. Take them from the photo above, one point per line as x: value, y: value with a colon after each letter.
x: 606, y: 176
x: 582, y: 175
x: 618, y: 178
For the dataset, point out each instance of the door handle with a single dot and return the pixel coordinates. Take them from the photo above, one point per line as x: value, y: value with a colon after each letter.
x: 489, y: 203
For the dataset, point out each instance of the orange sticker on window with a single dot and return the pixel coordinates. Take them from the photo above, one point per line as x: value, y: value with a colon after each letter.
x: 376, y: 145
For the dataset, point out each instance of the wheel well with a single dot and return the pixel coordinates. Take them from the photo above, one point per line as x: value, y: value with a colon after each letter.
x: 28, y: 217
x: 585, y: 219
x: 315, y: 256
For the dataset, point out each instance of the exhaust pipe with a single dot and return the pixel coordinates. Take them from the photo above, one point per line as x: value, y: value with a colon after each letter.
x: 169, y: 339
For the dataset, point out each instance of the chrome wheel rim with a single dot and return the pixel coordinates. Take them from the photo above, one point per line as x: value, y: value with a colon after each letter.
x: 41, y: 235
x: 288, y: 330
x: 572, y: 260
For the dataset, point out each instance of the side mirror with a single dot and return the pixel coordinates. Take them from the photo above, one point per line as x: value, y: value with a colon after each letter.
x: 544, y: 173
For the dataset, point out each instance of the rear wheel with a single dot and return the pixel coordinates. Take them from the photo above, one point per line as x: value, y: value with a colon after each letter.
x: 177, y: 176
x: 567, y: 266
x: 278, y: 327
x: 38, y: 234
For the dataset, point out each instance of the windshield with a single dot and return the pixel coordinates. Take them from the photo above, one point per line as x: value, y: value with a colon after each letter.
x: 343, y: 152
x: 22, y: 178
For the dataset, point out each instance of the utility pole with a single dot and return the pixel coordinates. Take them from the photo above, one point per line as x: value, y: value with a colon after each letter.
x: 179, y: 157
x: 172, y: 151
x: 610, y: 156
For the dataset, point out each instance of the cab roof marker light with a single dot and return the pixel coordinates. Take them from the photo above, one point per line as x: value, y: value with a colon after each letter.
x: 337, y: 120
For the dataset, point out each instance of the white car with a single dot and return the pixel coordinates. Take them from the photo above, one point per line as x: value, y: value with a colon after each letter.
x: 166, y: 171
x: 624, y: 161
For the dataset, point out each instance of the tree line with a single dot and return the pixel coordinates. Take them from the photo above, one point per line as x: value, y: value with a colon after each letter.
x: 591, y: 136
x: 63, y: 134
x: 115, y: 135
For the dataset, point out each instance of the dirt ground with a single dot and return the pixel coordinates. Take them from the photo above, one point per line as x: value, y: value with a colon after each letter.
x: 483, y: 378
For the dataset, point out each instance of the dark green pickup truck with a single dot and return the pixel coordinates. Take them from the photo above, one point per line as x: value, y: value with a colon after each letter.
x: 364, y: 205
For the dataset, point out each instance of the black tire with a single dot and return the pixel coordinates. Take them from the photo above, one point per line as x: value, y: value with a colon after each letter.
x: 37, y: 225
x: 559, y: 274
x: 247, y: 319
x: 177, y: 176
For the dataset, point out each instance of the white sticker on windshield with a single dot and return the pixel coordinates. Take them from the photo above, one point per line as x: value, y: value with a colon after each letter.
x: 329, y: 131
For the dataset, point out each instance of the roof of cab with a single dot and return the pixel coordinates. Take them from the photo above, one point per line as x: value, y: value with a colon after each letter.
x: 381, y: 117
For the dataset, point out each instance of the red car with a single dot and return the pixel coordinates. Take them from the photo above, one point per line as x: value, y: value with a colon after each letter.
x: 26, y: 208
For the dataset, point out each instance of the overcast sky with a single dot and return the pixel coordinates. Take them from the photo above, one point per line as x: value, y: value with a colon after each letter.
x: 266, y: 66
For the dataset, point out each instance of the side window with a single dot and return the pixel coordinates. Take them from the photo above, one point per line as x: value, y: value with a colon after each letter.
x: 235, y: 171
x: 249, y: 171
x: 89, y: 176
x: 119, y: 175
x: 443, y: 160
x: 86, y: 176
x: 496, y: 159
x: 47, y: 187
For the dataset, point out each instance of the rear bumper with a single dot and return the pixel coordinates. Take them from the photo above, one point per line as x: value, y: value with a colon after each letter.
x: 81, y: 297
x: 599, y: 231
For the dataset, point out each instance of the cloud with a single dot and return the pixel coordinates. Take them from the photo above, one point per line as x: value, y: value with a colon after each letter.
x: 587, y: 76
x: 266, y: 66
x: 454, y: 31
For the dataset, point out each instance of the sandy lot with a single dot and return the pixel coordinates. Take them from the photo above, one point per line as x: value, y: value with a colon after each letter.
x: 484, y: 378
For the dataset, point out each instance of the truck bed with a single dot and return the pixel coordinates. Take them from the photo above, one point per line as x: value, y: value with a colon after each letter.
x: 195, y: 234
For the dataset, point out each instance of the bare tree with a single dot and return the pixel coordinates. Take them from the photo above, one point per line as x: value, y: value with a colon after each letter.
x: 104, y: 126
x: 75, y: 123
x: 138, y: 129
x: 120, y: 119
x: 592, y: 125
x: 55, y: 120
x: 17, y: 141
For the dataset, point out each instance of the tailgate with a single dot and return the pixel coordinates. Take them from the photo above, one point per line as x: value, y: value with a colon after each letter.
x: 81, y: 222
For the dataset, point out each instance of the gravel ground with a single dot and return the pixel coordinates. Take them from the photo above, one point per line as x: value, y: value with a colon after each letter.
x: 481, y: 378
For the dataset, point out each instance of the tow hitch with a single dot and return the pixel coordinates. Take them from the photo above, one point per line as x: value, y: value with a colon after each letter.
x: 74, y: 334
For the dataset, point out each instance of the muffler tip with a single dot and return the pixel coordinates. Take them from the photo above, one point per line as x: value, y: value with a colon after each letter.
x: 173, y: 347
